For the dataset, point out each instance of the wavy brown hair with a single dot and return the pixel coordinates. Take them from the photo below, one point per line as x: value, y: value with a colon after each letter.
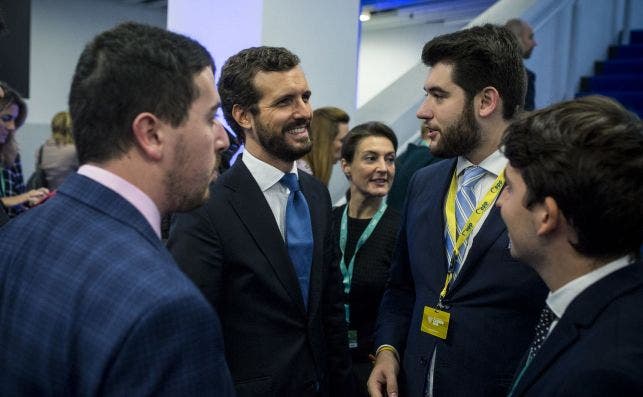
x: 9, y: 149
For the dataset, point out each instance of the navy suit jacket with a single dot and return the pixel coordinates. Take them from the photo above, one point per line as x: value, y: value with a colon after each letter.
x: 91, y: 303
x: 596, y: 349
x: 494, y: 302
x: 233, y: 250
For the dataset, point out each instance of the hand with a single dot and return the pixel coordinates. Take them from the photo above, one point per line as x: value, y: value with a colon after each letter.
x: 383, y: 379
x: 35, y: 196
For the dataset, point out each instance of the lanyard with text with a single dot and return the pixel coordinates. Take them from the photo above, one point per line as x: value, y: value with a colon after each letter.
x: 435, y: 320
x: 347, y: 271
x: 471, y: 223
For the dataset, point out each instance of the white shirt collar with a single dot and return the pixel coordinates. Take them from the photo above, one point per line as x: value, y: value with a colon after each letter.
x: 559, y: 300
x: 494, y: 164
x: 265, y: 174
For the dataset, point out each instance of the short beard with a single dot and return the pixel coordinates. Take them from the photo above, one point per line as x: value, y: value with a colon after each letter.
x: 460, y: 138
x: 184, y: 193
x: 275, y: 143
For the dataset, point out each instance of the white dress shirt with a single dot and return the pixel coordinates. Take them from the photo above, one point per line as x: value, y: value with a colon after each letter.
x: 559, y: 300
x: 268, y: 177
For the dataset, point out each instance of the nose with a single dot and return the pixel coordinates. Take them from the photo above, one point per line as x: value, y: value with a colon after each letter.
x: 10, y: 125
x: 380, y: 166
x: 303, y: 109
x: 424, y: 112
x: 221, y: 140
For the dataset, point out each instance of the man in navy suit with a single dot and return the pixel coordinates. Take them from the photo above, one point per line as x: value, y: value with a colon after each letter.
x: 91, y: 302
x: 574, y: 209
x: 283, y: 323
x: 459, y: 311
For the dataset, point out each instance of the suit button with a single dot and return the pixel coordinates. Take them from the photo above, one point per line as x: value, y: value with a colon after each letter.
x: 422, y: 361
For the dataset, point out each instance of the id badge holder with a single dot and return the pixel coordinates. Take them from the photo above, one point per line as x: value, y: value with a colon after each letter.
x: 435, y: 322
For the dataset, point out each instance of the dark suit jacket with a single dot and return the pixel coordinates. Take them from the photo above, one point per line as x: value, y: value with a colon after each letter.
x: 530, y: 94
x: 494, y: 302
x: 596, y: 349
x: 414, y: 158
x: 91, y: 303
x: 233, y: 250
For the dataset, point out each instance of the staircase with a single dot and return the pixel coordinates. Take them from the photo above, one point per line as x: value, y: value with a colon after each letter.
x: 621, y: 76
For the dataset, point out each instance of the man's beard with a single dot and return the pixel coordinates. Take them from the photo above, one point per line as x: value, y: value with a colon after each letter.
x: 188, y: 191
x: 276, y: 144
x: 461, y: 137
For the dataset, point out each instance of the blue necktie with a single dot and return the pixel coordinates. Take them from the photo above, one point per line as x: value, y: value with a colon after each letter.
x: 465, y: 203
x: 299, y: 233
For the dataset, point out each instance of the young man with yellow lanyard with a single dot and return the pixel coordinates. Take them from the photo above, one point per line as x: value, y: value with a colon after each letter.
x: 459, y: 312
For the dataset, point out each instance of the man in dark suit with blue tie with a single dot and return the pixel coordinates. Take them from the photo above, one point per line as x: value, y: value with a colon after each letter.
x: 458, y: 311
x: 574, y: 209
x: 261, y: 249
x: 91, y: 302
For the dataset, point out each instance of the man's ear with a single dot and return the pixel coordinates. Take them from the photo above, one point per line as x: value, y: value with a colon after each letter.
x: 488, y: 101
x: 148, y: 135
x: 242, y: 116
x: 548, y: 216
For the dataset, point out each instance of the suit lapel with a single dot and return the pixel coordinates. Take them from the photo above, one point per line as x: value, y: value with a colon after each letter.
x: 250, y: 205
x: 581, y: 313
x: 563, y: 335
x: 433, y: 203
x: 317, y: 214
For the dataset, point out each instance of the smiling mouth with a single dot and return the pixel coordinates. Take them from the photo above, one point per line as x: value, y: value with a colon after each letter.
x: 298, y: 130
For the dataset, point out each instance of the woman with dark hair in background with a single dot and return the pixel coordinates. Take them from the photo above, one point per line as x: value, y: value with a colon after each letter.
x: 13, y: 112
x: 57, y: 157
x: 327, y: 129
x: 366, y: 230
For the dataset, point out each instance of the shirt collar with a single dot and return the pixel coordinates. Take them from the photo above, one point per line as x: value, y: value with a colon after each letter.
x: 559, y: 300
x: 265, y: 174
x: 494, y: 164
x: 132, y: 194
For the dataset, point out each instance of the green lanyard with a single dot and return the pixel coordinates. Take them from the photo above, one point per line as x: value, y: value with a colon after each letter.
x: 2, y: 180
x: 347, y: 272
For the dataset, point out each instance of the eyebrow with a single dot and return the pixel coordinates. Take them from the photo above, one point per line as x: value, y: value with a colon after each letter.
x: 436, y: 90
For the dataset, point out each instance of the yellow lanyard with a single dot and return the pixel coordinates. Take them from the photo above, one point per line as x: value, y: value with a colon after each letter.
x: 473, y: 220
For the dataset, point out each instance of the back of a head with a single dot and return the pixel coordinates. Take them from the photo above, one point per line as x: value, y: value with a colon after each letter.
x: 123, y: 72
x: 61, y: 128
x: 236, y: 83
x: 482, y: 56
x: 587, y: 154
x: 516, y: 26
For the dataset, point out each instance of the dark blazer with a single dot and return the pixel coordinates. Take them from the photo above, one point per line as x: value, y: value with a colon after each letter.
x: 596, y: 349
x: 494, y: 302
x: 91, y: 303
x: 414, y: 158
x: 233, y: 250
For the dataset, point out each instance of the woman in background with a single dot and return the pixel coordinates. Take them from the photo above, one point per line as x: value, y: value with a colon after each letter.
x: 366, y: 231
x: 327, y: 129
x: 57, y: 157
x: 13, y: 112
